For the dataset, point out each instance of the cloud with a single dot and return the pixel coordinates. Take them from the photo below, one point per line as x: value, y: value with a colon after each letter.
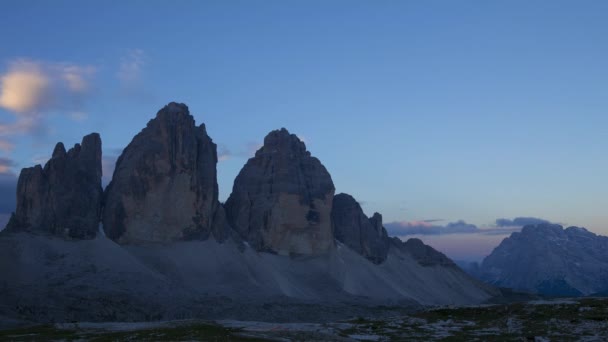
x: 251, y: 148
x: 6, y: 145
x: 28, y: 89
x: 433, y: 220
x: 248, y: 151
x: 426, y: 227
x: 33, y: 86
x: 6, y: 165
x: 519, y: 221
x: 223, y: 153
x: 78, y: 116
x: 131, y: 66
x: 25, y: 87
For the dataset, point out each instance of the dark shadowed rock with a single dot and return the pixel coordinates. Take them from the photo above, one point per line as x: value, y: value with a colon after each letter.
x: 64, y: 197
x: 282, y: 198
x: 351, y: 227
x: 551, y: 260
x: 164, y: 186
x: 424, y: 254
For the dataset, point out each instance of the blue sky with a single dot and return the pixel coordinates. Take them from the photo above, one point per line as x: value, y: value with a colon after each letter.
x: 446, y: 110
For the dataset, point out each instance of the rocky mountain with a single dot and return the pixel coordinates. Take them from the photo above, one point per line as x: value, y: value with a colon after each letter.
x: 548, y: 259
x: 63, y: 198
x: 282, y: 199
x: 425, y: 255
x: 164, y: 186
x: 365, y: 236
x: 284, y: 240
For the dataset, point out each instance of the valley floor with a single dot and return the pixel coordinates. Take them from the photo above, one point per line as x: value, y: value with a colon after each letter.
x: 577, y: 319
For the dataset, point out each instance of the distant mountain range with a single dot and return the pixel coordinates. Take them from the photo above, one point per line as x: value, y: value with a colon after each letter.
x: 157, y: 243
x: 550, y: 260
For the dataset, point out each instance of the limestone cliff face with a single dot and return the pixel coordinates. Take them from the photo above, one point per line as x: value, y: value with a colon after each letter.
x: 63, y: 198
x: 548, y: 259
x: 164, y: 186
x: 351, y: 227
x: 282, y: 198
x: 424, y: 254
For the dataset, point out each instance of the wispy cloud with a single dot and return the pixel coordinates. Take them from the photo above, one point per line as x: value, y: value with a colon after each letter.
x: 223, y: 153
x: 29, y: 89
x: 131, y: 66
x: 6, y: 145
x: 6, y: 165
x: 519, y: 221
x: 247, y: 151
x: 428, y: 227
x: 35, y: 86
x: 251, y: 148
x: 25, y: 88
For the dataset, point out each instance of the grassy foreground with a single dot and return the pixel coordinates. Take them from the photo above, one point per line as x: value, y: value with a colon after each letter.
x: 578, y: 319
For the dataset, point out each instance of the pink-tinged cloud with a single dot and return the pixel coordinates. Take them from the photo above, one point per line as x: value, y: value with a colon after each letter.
x: 470, y: 247
x: 6, y: 146
x: 409, y: 224
x: 6, y: 166
x: 29, y: 89
x: 33, y: 86
x: 25, y: 87
x: 426, y: 227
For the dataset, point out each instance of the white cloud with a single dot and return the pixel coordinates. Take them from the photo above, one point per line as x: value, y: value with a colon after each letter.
x: 78, y: 116
x: 131, y: 66
x: 25, y: 87
x: 223, y: 153
x: 28, y: 89
x: 76, y: 77
x: 34, y: 86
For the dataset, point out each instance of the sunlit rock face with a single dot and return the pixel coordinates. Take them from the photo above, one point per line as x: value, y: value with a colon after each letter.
x: 365, y: 236
x: 164, y: 186
x: 63, y: 198
x: 282, y: 198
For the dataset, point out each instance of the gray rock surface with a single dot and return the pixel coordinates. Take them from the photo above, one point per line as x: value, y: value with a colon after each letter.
x: 164, y: 186
x: 548, y: 259
x: 351, y: 227
x: 424, y: 254
x: 52, y: 279
x: 63, y: 198
x: 282, y: 198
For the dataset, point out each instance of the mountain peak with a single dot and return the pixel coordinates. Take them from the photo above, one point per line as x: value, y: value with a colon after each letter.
x: 281, y: 141
x: 542, y: 228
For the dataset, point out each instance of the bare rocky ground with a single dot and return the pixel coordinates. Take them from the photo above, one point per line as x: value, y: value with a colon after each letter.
x: 577, y: 319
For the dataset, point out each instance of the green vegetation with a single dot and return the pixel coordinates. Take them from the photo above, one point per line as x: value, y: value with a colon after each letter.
x: 564, y: 320
x: 189, y: 332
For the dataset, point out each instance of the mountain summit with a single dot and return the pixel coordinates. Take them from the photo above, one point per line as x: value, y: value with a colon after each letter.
x: 164, y: 186
x: 282, y: 198
x: 63, y: 198
x: 170, y: 249
x: 549, y: 259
